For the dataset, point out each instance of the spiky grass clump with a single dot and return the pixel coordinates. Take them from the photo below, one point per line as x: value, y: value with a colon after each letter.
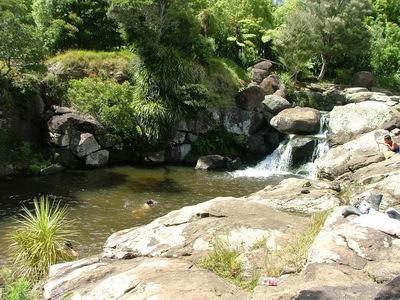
x: 40, y: 239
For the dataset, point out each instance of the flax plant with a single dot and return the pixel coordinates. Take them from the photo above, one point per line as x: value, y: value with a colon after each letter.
x: 41, y: 239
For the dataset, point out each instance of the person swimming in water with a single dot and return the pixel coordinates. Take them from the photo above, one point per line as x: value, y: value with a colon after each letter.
x: 141, y: 211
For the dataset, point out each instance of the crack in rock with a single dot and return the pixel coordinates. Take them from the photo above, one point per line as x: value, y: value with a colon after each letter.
x: 197, y: 216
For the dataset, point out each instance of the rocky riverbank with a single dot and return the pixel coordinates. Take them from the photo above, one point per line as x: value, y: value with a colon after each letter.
x: 344, y: 261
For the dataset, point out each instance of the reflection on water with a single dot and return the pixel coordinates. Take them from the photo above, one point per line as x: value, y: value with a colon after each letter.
x: 101, y: 201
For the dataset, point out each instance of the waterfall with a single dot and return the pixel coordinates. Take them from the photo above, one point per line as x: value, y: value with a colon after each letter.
x: 280, y: 161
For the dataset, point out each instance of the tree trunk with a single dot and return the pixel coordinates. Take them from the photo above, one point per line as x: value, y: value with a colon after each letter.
x: 323, y: 68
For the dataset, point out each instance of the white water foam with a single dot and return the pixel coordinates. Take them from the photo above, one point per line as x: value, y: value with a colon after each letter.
x: 280, y: 161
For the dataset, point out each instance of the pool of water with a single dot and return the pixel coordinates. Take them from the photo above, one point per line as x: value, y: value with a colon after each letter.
x: 102, y: 201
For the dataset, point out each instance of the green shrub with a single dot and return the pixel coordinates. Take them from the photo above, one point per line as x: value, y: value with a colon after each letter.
x: 78, y: 64
x: 220, y: 142
x: 40, y: 239
x: 13, y: 150
x: 110, y: 103
x: 15, y: 288
x: 344, y: 76
x: 391, y: 82
x: 168, y: 87
x: 224, y: 79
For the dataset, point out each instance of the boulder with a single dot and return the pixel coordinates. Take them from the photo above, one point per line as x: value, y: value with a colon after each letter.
x: 363, y: 79
x: 258, y: 75
x: 216, y: 162
x: 98, y: 159
x: 257, y: 122
x: 367, y: 96
x: 352, y: 155
x: 191, y: 231
x: 7, y: 170
x: 302, y: 150
x: 69, y: 160
x: 179, y: 137
x: 298, y: 120
x: 204, y: 122
x: 250, y: 98
x: 61, y: 110
x: 140, y: 278
x: 237, y: 120
x: 381, y: 177
x: 271, y: 84
x: 352, y: 120
x: 275, y: 104
x: 289, y: 196
x: 390, y: 291
x: 355, y: 90
x: 332, y: 98
x: 346, y: 261
x: 155, y: 157
x: 211, y: 162
x: 265, y: 65
x: 381, y: 90
x: 52, y: 169
x: 83, y: 123
x: 84, y: 145
x: 263, y: 142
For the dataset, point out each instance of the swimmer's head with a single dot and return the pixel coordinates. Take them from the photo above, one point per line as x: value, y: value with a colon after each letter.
x: 151, y: 203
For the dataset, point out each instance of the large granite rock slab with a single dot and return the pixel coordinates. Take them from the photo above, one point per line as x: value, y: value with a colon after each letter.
x: 298, y: 196
x: 140, y: 278
x: 352, y: 120
x: 346, y: 261
x: 190, y: 231
x: 382, y: 177
x: 352, y: 155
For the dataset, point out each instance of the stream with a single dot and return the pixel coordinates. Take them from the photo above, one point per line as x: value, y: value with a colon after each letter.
x: 100, y: 202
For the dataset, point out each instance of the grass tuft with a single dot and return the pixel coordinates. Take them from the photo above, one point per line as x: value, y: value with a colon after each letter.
x: 224, y: 260
x: 40, y: 239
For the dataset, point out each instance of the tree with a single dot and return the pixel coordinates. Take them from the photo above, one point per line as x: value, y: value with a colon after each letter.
x: 292, y: 42
x: 84, y: 24
x: 20, y: 46
x: 337, y: 27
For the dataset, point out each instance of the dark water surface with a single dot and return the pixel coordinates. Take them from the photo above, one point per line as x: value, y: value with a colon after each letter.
x: 101, y: 201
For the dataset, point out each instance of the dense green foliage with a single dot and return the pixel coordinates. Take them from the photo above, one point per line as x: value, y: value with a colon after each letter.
x: 222, y: 142
x: 40, y: 239
x: 170, y: 59
x: 66, y: 24
x: 110, y: 103
x: 385, y: 42
x: 20, y: 45
x: 327, y: 32
x: 14, y: 151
